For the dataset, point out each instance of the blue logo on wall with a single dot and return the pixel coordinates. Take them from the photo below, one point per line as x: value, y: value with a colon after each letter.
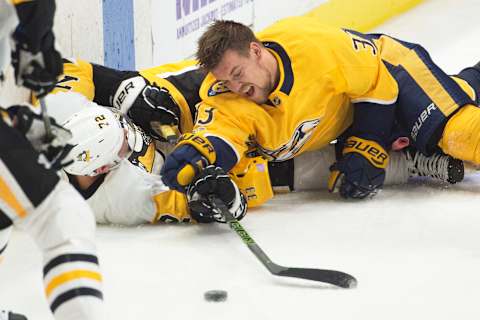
x: 186, y: 7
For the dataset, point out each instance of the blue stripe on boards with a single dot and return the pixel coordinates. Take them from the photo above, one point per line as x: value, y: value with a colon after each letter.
x: 118, y: 34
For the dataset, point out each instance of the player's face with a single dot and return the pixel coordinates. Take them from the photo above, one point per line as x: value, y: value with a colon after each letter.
x: 246, y: 75
x: 125, y: 149
x: 122, y: 154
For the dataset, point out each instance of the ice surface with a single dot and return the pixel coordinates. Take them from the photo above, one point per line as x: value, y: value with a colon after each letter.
x: 415, y: 249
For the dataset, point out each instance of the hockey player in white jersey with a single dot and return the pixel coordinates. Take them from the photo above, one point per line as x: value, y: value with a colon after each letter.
x: 115, y: 168
x: 32, y: 197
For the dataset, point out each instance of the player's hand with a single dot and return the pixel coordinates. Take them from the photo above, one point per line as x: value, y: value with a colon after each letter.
x: 214, y: 181
x: 146, y: 104
x: 181, y: 166
x: 192, y: 154
x: 36, y: 68
x: 361, y: 170
x: 54, y: 149
x: 154, y: 104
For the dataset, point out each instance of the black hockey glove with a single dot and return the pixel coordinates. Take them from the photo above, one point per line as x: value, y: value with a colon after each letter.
x: 36, y: 70
x: 213, y: 180
x: 54, y: 150
x: 361, y: 170
x: 147, y: 105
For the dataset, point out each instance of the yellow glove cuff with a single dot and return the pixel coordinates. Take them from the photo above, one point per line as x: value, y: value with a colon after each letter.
x: 369, y: 149
x: 200, y: 143
x: 333, y: 181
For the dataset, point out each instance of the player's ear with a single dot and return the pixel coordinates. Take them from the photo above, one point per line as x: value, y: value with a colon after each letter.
x: 255, y: 49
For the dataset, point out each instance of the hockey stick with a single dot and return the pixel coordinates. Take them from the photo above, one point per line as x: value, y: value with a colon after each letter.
x: 46, y: 121
x: 337, y: 278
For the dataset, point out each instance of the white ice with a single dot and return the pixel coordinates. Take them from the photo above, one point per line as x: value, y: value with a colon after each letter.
x: 415, y: 249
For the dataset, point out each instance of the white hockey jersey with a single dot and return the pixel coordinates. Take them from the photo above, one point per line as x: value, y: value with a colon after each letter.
x: 125, y: 195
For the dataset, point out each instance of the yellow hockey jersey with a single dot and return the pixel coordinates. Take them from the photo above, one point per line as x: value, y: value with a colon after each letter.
x: 322, y: 71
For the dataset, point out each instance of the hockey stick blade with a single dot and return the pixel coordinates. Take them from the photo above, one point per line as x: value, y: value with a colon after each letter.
x: 337, y: 278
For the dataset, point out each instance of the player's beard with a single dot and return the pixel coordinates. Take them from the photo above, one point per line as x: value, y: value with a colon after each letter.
x: 262, y: 92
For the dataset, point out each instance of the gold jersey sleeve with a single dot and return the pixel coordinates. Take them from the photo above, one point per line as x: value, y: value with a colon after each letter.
x: 171, y: 206
x: 17, y: 2
x: 323, y: 70
x: 77, y: 77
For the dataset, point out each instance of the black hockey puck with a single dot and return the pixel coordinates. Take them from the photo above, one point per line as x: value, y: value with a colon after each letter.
x: 215, y: 295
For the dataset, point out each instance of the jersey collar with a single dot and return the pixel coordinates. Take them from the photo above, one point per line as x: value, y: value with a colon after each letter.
x: 285, y: 83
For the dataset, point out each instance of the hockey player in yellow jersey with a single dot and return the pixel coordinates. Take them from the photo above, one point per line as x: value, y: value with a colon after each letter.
x: 128, y: 91
x: 298, y: 85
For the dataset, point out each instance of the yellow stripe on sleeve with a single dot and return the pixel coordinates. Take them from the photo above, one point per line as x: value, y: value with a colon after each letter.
x: 396, y: 53
x: 9, y: 198
x: 16, y: 2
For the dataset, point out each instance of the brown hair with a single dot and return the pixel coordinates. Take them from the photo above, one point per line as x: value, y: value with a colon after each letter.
x: 220, y: 36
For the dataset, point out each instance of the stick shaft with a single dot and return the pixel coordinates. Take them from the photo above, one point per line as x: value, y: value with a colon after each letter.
x: 46, y: 120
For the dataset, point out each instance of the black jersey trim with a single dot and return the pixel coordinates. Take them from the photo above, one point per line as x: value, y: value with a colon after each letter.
x: 75, y: 293
x: 66, y: 258
x: 3, y: 249
x: 188, y: 84
x: 87, y: 193
x: 287, y: 66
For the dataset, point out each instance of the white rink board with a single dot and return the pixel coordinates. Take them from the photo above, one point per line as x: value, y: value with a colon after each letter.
x: 176, y: 26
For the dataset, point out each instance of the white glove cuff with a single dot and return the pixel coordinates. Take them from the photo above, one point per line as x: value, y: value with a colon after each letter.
x: 239, y: 205
x: 127, y: 92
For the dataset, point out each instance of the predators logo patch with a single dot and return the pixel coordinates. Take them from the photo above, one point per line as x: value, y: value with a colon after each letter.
x: 217, y: 88
x: 287, y: 151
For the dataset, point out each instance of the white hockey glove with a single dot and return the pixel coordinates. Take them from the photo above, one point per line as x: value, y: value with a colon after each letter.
x: 146, y: 104
x: 55, y: 149
x: 213, y: 180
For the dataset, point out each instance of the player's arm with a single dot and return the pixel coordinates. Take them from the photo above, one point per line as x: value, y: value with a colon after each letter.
x: 361, y: 75
x: 127, y: 91
x: 219, y: 138
x: 173, y: 206
x: 106, y: 81
x: 36, y: 62
x: 200, y: 162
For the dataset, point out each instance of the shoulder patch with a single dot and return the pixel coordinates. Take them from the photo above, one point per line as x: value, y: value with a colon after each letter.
x: 217, y: 88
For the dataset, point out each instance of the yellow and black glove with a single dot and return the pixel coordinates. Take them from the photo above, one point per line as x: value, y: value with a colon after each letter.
x: 192, y: 154
x: 361, y: 170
